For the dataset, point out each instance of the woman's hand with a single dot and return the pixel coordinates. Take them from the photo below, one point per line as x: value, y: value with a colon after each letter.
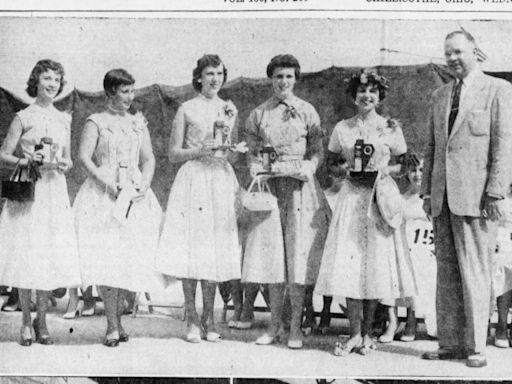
x: 63, y: 165
x: 207, y: 148
x: 37, y: 157
x: 307, y: 169
x: 255, y: 168
x: 112, y: 189
x: 141, y: 189
x: 340, y: 170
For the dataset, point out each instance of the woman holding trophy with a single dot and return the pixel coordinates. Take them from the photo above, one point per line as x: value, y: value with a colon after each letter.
x: 288, y: 128
x: 117, y: 213
x: 365, y: 259
x: 199, y: 240
x: 37, y: 238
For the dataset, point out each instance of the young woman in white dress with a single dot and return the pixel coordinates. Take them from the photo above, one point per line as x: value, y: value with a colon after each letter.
x: 199, y: 240
x: 117, y: 242
x: 364, y: 259
x: 37, y: 238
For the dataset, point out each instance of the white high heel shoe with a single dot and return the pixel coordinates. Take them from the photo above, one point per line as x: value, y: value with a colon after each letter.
x: 77, y: 312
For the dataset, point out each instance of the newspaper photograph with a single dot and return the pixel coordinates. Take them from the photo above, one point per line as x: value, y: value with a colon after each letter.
x: 255, y: 191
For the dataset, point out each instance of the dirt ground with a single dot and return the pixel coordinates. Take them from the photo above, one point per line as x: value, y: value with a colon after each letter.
x: 157, y: 348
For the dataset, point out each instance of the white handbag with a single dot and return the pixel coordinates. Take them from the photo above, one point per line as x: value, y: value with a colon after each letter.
x: 258, y: 196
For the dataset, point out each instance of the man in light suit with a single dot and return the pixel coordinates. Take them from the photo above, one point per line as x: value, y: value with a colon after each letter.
x: 466, y: 176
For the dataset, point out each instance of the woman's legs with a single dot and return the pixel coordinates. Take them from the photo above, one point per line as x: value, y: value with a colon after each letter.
x: 110, y: 296
x: 325, y: 315
x: 89, y: 301
x: 40, y: 327
x: 309, y: 312
x: 354, y: 313
x: 121, y: 297
x: 72, y: 304
x: 237, y: 295
x: 501, y: 334
x: 389, y: 333
x: 410, y: 326
x: 369, y: 307
x: 209, y: 289
x: 250, y: 293
x: 189, y: 292
x: 26, y: 321
x: 297, y: 293
x: 276, y: 292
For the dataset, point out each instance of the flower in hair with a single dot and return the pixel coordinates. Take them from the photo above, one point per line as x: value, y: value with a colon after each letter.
x: 367, y: 76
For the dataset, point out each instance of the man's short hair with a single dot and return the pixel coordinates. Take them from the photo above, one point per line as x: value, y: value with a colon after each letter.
x: 469, y: 37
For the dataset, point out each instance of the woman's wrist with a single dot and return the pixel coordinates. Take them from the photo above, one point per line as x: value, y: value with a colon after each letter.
x: 23, y: 162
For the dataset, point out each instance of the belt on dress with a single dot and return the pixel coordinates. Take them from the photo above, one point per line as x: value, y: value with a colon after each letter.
x: 290, y: 157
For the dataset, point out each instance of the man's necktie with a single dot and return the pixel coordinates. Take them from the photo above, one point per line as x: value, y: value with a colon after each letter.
x: 455, y: 106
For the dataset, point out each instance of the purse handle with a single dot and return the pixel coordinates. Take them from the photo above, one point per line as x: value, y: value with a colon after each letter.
x: 16, y: 174
x: 262, y: 185
x: 33, y: 172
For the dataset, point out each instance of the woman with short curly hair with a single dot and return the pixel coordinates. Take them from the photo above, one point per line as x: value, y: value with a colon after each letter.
x: 37, y: 238
x: 291, y: 127
x: 365, y: 259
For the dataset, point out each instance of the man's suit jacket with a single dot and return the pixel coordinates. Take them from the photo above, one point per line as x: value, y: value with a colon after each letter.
x: 476, y: 158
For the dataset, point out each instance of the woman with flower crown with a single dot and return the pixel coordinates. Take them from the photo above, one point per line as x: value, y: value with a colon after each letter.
x: 117, y: 215
x: 199, y: 240
x: 365, y: 259
x: 291, y: 127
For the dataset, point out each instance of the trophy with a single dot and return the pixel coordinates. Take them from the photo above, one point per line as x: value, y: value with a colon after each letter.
x: 220, y: 133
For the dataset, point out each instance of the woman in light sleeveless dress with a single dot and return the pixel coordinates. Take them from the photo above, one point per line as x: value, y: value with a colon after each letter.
x: 117, y: 242
x: 199, y: 240
x: 364, y: 259
x: 37, y: 239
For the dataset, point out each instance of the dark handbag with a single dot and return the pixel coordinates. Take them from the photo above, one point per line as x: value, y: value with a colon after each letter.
x: 16, y: 190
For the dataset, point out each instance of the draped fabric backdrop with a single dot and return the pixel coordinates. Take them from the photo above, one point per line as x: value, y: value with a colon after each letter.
x: 407, y: 100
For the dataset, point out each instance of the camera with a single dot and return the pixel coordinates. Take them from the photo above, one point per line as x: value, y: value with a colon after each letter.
x: 269, y: 156
x: 362, y: 154
x: 48, y: 148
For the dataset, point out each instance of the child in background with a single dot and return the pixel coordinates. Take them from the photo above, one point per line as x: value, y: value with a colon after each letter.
x: 420, y: 239
x: 502, y: 275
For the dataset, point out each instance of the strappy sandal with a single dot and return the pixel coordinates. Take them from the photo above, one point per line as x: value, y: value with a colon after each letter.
x: 366, y: 349
x: 343, y: 349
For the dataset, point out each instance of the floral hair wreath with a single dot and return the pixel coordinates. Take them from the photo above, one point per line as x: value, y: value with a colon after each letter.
x: 367, y: 76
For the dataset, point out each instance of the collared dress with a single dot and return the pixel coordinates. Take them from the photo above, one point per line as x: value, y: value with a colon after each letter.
x: 112, y: 252
x: 293, y: 129
x: 363, y: 257
x: 38, y: 248
x: 199, y: 238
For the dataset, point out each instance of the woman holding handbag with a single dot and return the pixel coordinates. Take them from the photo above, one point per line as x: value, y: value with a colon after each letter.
x: 199, y: 240
x: 291, y: 127
x: 117, y: 213
x: 37, y: 237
